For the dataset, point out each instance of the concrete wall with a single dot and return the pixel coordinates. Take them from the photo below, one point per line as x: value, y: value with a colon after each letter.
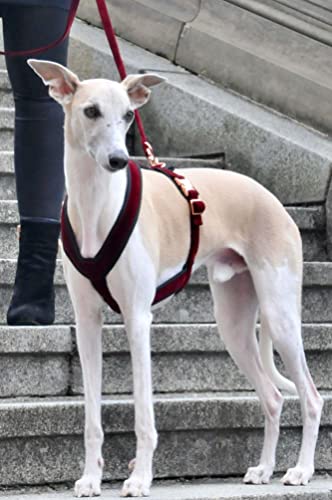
x: 277, y: 52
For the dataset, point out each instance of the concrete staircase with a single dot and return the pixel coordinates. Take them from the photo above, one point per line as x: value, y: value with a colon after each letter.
x: 208, y: 418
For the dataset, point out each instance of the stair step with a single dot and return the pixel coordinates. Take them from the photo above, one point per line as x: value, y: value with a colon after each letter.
x: 193, y: 304
x: 6, y: 96
x: 6, y: 140
x: 6, y: 118
x: 199, y: 435
x: 311, y: 221
x: 192, y: 358
x: 43, y: 361
x: 36, y: 361
x: 208, y: 489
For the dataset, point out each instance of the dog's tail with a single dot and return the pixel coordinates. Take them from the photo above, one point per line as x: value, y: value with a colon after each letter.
x: 266, y: 352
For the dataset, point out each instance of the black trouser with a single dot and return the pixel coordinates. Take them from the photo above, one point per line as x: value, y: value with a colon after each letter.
x: 38, y: 118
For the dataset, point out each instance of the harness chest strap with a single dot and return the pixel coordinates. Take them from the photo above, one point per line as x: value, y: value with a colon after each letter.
x: 97, y: 268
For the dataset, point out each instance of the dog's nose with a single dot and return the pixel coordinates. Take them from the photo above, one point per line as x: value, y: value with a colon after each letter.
x: 117, y: 161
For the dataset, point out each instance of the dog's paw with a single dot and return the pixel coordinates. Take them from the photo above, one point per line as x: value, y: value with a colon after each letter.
x: 258, y: 475
x: 87, y: 486
x: 298, y: 476
x: 135, y: 487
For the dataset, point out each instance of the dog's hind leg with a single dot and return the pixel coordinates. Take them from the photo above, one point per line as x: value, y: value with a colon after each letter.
x: 279, y: 292
x: 138, y: 324
x: 236, y: 306
x: 87, y: 308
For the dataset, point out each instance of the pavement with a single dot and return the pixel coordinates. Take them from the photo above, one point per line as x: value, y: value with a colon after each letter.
x: 319, y: 489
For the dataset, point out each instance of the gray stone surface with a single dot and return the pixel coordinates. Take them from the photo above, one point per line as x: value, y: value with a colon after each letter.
x: 274, y: 52
x: 33, y: 375
x: 294, y: 162
x: 7, y: 187
x: 208, y: 434
x: 183, y: 10
x: 213, y: 489
x: 6, y: 162
x: 193, y: 304
x: 6, y: 97
x: 328, y: 206
x: 192, y: 372
x: 192, y: 358
x: 202, y: 338
x: 311, y: 221
x: 311, y: 19
x: 35, y: 340
x: 4, y: 80
x: 6, y: 140
x: 261, y: 59
x: 6, y: 118
x: 43, y: 361
x: 35, y: 361
x: 152, y: 30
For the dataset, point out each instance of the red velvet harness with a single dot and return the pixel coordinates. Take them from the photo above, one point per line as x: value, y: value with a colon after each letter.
x: 97, y: 268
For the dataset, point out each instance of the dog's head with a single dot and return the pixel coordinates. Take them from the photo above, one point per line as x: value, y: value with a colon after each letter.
x: 98, y: 112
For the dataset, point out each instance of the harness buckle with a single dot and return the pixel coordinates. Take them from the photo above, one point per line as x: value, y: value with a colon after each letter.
x: 197, y: 206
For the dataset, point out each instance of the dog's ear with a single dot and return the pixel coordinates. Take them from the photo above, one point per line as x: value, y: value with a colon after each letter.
x: 62, y: 82
x: 137, y: 87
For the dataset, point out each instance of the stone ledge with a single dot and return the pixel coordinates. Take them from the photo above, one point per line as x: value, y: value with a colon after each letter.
x: 44, y: 439
x: 291, y: 160
x: 30, y: 417
x: 6, y: 118
x: 307, y: 218
x: 35, y: 340
x: 165, y: 338
x: 185, y: 358
x: 211, y: 489
x: 277, y: 54
x: 314, y: 274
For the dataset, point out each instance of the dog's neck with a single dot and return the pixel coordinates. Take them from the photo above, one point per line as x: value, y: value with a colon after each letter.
x: 95, y: 198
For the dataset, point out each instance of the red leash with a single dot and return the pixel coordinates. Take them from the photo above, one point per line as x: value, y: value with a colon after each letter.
x: 109, y: 31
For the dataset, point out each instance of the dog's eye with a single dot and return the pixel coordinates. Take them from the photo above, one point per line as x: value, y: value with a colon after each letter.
x: 129, y: 115
x: 92, y: 112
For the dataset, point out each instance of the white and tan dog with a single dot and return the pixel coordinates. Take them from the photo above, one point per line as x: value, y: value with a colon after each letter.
x: 249, y: 244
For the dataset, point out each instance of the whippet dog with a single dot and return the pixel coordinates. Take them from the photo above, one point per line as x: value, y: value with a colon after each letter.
x: 249, y: 244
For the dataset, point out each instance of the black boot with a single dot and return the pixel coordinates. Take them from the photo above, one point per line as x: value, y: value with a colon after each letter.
x: 33, y: 298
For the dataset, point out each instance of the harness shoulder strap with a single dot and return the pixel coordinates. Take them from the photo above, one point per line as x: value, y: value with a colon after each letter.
x: 99, y: 266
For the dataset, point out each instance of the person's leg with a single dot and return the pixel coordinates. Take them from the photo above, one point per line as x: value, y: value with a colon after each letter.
x: 38, y: 151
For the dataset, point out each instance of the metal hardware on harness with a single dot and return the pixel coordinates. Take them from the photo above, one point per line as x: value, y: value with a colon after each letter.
x: 151, y: 157
x: 196, y: 207
x: 185, y: 185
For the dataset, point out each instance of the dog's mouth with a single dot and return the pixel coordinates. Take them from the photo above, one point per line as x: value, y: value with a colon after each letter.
x: 113, y: 169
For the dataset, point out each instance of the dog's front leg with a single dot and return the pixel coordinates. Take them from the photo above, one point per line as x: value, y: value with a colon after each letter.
x: 138, y: 331
x: 87, y: 306
x: 89, y: 341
